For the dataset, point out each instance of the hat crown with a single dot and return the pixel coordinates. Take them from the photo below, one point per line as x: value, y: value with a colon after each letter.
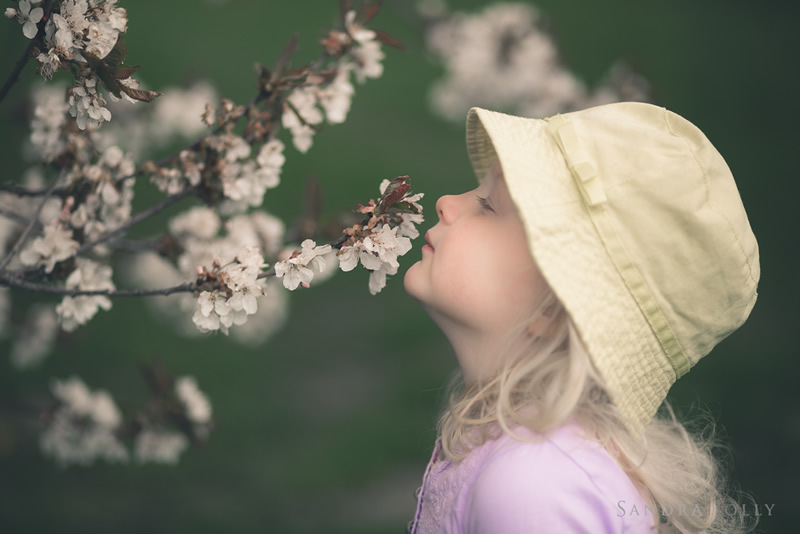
x: 676, y: 208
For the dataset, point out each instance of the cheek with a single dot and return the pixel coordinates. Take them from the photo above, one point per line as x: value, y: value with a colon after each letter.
x: 477, y: 284
x: 495, y: 287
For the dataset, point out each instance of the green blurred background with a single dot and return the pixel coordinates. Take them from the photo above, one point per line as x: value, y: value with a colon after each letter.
x: 328, y: 427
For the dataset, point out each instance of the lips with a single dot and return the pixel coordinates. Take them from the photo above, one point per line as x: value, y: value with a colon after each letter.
x: 428, y: 240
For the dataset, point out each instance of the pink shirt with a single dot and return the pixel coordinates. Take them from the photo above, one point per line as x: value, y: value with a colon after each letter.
x: 563, y: 485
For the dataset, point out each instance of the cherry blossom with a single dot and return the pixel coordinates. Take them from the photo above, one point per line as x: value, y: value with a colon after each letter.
x: 86, y: 104
x: 177, y: 112
x: 337, y: 97
x: 249, y: 181
x: 199, y: 222
x: 299, y: 114
x: 37, y: 338
x: 49, y: 117
x: 387, y: 245
x: 350, y: 256
x: 159, y: 445
x: 502, y: 58
x: 378, y: 253
x: 49, y: 63
x: 58, y: 37
x: 214, y: 254
x: 218, y: 310
x: 198, y: 409
x: 408, y: 221
x: 298, y: 269
x: 377, y: 278
x: 75, y: 311
x: 26, y: 16
x: 368, y: 53
x: 55, y: 245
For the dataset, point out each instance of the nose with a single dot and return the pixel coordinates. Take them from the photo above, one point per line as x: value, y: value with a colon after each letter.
x: 445, y: 208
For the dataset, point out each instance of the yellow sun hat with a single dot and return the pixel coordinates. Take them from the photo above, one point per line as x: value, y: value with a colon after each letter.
x: 635, y: 221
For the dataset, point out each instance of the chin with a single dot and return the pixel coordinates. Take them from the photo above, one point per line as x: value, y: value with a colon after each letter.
x: 416, y: 283
x: 410, y: 281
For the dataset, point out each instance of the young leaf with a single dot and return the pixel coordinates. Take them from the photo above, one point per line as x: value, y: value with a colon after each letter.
x: 118, y: 53
x: 388, y: 40
x: 139, y: 94
x: 370, y: 12
x: 122, y: 72
x: 344, y: 7
x: 393, y: 193
x: 286, y: 56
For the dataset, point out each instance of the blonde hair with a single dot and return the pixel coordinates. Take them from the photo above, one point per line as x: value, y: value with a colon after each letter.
x: 553, y: 379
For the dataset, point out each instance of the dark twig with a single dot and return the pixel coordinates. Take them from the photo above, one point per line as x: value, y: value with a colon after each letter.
x: 31, y: 223
x: 129, y: 245
x: 14, y: 76
x: 8, y: 214
x: 21, y: 191
x: 53, y: 290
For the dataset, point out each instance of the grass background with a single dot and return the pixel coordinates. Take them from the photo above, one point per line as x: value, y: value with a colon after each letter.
x: 328, y: 427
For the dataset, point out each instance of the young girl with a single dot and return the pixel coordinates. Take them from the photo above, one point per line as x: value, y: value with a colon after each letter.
x: 603, y: 254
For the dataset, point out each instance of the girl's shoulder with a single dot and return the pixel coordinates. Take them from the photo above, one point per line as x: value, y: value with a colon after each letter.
x: 555, y: 483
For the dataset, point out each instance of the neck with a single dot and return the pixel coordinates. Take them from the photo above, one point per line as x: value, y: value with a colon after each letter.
x: 478, y: 353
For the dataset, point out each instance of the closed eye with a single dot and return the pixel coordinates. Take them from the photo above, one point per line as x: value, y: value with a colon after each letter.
x: 484, y: 202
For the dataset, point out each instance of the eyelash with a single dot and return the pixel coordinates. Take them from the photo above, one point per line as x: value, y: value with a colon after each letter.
x: 485, y: 204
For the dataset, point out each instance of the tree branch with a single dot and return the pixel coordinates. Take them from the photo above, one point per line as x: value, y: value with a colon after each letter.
x: 22, y: 191
x: 8, y: 214
x: 10, y: 281
x: 14, y: 76
x: 31, y: 223
x: 129, y: 245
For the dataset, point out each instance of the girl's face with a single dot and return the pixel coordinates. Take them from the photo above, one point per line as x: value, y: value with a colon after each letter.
x: 476, y: 277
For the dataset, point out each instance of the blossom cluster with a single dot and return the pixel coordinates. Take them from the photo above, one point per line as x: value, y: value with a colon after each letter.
x: 86, y: 426
x: 157, y: 442
x: 299, y: 268
x: 502, y: 58
x: 75, y: 311
x: 376, y: 243
x: 88, y: 36
x: 62, y: 226
x: 200, y: 239
x: 234, y: 298
x: 83, y: 427
x: 361, y: 56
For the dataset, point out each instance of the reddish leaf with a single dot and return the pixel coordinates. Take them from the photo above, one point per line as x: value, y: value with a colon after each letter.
x: 388, y: 40
x: 397, y: 194
x: 370, y: 12
x: 139, y: 94
x: 263, y: 72
x: 121, y: 72
x: 393, y: 193
x: 296, y: 74
x: 286, y: 55
x: 344, y: 7
x: 118, y: 53
x: 313, y: 200
x: 335, y: 42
